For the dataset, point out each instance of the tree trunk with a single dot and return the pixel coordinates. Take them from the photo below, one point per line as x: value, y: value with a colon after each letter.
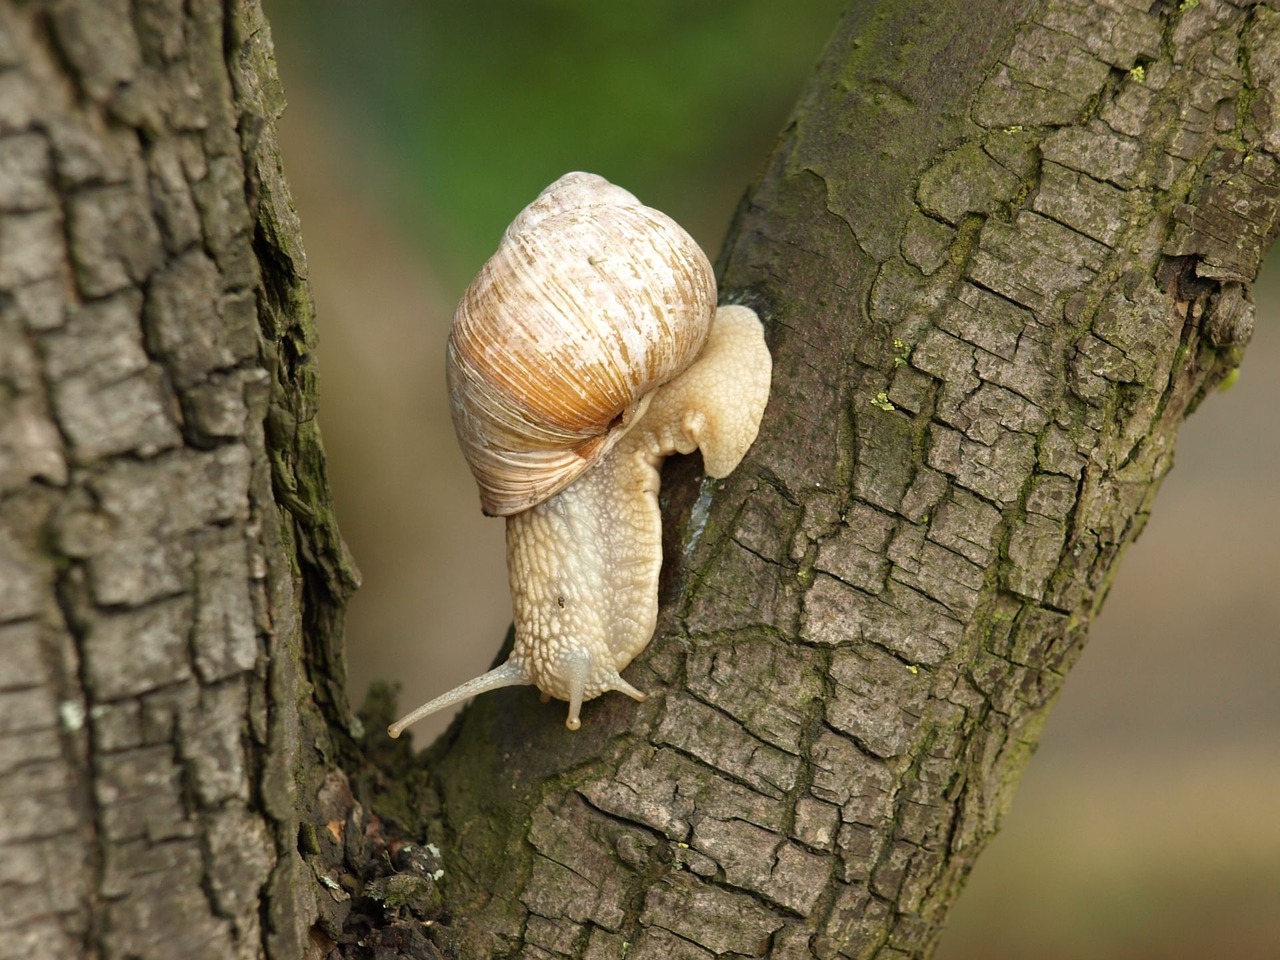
x: 1001, y: 253
x: 171, y: 578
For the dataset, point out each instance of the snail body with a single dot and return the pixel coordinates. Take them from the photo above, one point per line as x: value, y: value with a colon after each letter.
x: 639, y: 364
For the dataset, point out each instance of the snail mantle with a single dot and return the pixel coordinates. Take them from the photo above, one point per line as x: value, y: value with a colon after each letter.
x: 587, y: 350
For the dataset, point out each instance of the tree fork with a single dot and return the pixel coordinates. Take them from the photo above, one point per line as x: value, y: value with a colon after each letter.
x: 1001, y: 253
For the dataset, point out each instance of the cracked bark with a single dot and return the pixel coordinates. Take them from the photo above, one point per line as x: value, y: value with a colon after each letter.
x: 1001, y: 253
x: 171, y: 579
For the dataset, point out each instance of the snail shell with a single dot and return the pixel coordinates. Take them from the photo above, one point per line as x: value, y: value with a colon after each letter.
x: 591, y: 301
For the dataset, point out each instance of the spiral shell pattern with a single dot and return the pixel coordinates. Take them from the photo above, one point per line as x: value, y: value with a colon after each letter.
x: 591, y: 301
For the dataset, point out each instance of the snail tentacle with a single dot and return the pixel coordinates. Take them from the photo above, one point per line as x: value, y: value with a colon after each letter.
x: 509, y: 674
x: 575, y: 666
x: 621, y: 686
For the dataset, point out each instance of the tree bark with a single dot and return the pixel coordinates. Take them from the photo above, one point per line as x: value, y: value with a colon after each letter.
x: 171, y: 578
x: 1001, y: 250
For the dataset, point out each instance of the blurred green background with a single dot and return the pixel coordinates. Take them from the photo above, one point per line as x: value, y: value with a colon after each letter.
x: 1148, y: 824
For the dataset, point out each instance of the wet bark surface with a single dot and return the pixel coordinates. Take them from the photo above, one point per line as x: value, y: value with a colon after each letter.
x: 1001, y: 252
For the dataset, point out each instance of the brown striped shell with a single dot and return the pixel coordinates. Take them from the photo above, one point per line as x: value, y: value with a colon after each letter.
x: 591, y: 301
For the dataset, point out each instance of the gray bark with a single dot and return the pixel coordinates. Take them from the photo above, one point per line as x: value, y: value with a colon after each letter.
x: 1001, y: 250
x: 170, y: 577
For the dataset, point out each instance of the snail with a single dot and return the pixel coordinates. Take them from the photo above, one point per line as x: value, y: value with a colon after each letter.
x: 587, y: 350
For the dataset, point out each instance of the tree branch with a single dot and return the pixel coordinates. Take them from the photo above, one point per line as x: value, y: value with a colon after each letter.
x: 1001, y: 256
